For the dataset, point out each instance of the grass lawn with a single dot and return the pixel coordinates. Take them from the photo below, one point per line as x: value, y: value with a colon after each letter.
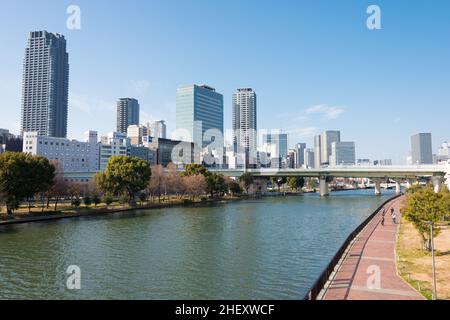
x: 414, y: 264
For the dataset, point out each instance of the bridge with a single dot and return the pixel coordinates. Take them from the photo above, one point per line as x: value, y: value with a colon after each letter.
x: 409, y: 174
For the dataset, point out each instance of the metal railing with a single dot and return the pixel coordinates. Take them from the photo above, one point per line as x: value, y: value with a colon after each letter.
x: 315, y: 290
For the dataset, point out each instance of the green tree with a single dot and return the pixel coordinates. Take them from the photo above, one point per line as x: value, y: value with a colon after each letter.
x: 234, y: 188
x: 278, y: 181
x: 296, y: 183
x: 87, y: 201
x: 247, y: 180
x: 107, y: 199
x: 22, y: 176
x: 124, y: 175
x: 96, y: 200
x: 195, y: 169
x: 216, y: 184
x: 424, y: 206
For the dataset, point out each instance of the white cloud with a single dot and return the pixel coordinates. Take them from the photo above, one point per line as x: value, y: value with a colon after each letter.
x: 88, y: 105
x: 303, y: 133
x: 328, y: 112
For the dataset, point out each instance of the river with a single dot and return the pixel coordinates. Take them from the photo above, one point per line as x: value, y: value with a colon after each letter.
x: 271, y: 248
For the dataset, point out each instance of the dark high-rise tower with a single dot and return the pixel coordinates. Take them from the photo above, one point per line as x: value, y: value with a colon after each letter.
x: 45, y: 85
x: 127, y: 114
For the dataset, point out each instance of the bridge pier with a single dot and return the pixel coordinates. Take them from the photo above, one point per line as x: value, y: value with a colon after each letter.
x: 437, y: 182
x: 398, y: 187
x: 409, y: 183
x: 324, y: 189
x: 378, y: 187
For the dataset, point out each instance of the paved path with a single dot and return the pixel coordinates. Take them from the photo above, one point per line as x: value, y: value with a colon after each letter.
x: 373, y: 249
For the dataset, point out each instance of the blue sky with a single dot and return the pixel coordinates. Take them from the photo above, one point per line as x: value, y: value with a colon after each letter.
x: 314, y: 64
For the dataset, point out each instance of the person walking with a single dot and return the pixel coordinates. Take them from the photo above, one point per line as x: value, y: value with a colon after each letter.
x: 393, y: 215
x: 382, y: 216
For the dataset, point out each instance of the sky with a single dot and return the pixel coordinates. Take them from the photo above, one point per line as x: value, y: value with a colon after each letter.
x: 313, y: 64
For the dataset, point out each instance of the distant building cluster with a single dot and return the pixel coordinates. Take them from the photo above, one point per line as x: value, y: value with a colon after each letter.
x: 199, y: 135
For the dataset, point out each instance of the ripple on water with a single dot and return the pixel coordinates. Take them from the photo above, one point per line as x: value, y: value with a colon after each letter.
x: 273, y: 248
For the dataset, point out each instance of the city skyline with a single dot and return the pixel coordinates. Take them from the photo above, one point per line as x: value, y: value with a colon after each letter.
x: 371, y: 109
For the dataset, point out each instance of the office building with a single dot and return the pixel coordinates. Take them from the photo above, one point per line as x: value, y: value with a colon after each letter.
x: 277, y: 146
x: 127, y: 114
x: 300, y: 152
x: 45, y: 85
x: 173, y: 151
x: 309, y: 156
x: 158, y: 129
x: 292, y: 157
x: 326, y: 140
x: 199, y: 115
x: 135, y: 133
x: 342, y: 153
x: 244, y: 121
x: 71, y: 155
x: 317, y: 152
x: 421, y: 149
x: 113, y: 144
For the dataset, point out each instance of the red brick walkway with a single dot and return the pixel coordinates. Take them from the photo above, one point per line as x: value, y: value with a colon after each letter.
x: 372, y: 253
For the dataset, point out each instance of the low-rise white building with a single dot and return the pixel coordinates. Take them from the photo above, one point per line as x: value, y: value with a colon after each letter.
x: 114, y: 144
x: 72, y: 155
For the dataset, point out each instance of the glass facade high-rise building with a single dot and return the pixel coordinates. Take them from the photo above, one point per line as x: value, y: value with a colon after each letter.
x: 280, y: 141
x: 45, y: 85
x: 199, y: 115
x: 244, y: 121
x: 127, y: 114
x: 421, y: 149
x: 342, y: 153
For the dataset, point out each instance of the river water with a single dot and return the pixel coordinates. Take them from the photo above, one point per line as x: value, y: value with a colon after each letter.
x: 272, y: 248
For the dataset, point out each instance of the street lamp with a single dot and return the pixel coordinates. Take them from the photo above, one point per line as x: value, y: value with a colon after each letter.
x: 433, y: 260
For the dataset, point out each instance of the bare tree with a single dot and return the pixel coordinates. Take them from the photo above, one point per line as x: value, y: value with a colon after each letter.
x: 194, y: 185
x: 174, y: 181
x: 157, y: 184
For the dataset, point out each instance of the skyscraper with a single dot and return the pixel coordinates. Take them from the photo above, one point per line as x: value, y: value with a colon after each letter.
x: 326, y: 140
x: 45, y: 85
x: 127, y: 114
x: 244, y: 120
x: 199, y: 115
x: 421, y: 149
x: 317, y: 151
x: 158, y: 129
x: 300, y: 148
x: 342, y: 153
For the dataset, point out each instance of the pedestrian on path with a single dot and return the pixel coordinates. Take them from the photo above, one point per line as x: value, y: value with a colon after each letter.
x: 382, y: 216
x: 394, y: 216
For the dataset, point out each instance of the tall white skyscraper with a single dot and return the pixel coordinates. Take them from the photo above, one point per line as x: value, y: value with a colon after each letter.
x: 45, y: 85
x: 326, y: 140
x: 244, y: 121
x: 317, y: 151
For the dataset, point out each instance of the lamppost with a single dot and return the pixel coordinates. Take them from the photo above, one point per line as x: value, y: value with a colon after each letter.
x: 433, y: 260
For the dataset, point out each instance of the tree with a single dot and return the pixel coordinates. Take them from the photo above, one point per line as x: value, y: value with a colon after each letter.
x: 195, y: 169
x: 157, y: 184
x: 247, y: 180
x: 96, y: 200
x: 59, y: 189
x: 234, y: 187
x: 216, y: 184
x: 194, y: 185
x: 124, y: 175
x: 22, y: 176
x: 424, y: 206
x: 278, y: 181
x: 174, y: 181
x: 107, y: 199
x: 296, y: 183
x: 87, y: 201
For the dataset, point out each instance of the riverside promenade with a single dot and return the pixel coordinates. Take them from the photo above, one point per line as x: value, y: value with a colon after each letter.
x: 371, y: 257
